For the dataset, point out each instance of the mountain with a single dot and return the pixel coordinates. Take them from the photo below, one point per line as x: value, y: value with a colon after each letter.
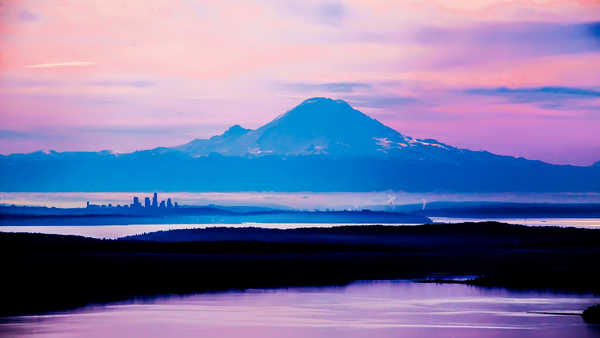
x: 317, y: 126
x: 320, y: 145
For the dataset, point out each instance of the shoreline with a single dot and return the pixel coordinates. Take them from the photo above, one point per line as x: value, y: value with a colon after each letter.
x: 46, y: 273
x: 152, y: 297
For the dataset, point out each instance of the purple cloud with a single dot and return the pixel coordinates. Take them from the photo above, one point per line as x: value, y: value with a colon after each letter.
x: 334, y: 87
x: 27, y: 16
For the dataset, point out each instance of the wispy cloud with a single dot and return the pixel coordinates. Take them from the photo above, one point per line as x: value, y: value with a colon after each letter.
x: 118, y: 83
x: 8, y: 82
x: 12, y: 82
x: 507, y: 42
x: 581, y: 102
x: 62, y: 64
x: 537, y: 94
x: 334, y: 87
x: 27, y: 16
x: 12, y: 134
x: 330, y: 13
x: 381, y: 101
x: 17, y: 135
x: 138, y: 130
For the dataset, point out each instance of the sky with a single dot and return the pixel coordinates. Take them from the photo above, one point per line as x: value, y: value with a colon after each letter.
x: 518, y: 78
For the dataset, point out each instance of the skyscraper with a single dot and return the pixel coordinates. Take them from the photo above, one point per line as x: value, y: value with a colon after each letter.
x: 169, y: 203
x: 136, y: 202
x: 155, y: 200
x: 147, y: 202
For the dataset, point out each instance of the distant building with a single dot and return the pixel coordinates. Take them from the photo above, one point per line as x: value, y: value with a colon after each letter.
x: 136, y: 202
x: 91, y: 205
x: 154, y: 203
x: 155, y: 200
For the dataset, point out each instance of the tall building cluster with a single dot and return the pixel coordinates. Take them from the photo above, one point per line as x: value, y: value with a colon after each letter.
x: 136, y: 204
x: 154, y: 203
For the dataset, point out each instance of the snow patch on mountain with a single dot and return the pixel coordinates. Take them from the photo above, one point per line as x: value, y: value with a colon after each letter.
x: 317, y: 126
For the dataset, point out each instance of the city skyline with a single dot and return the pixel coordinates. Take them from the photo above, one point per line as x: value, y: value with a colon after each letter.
x: 136, y: 204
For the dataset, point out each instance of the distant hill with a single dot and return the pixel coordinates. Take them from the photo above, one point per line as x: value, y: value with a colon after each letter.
x: 460, y: 235
x: 320, y: 145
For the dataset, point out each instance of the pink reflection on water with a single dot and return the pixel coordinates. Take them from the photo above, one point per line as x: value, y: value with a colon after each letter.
x: 379, y: 309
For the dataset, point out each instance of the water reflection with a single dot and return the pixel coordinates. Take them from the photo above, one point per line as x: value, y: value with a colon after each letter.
x: 587, y: 223
x: 117, y: 231
x: 380, y: 309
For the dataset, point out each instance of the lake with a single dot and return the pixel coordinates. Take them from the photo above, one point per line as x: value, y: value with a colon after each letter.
x: 361, y: 309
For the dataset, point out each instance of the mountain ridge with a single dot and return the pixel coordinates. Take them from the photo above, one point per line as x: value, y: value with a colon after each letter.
x: 317, y: 126
x: 240, y: 141
x: 320, y: 145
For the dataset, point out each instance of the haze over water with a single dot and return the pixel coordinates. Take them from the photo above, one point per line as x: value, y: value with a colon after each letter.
x: 386, y: 200
x: 299, y: 200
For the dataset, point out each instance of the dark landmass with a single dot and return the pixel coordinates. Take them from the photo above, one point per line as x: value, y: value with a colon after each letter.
x: 592, y: 314
x: 18, y: 215
x: 473, y: 235
x: 44, y: 273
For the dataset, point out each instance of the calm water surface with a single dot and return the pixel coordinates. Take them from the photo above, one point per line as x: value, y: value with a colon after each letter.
x: 588, y: 223
x: 365, y: 309
x: 116, y: 231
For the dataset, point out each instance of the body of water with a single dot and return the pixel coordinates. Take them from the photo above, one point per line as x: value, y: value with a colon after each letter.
x: 116, y: 231
x: 588, y: 223
x: 363, y: 309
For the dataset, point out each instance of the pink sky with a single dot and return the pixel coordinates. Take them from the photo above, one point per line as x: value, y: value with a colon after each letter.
x: 519, y: 78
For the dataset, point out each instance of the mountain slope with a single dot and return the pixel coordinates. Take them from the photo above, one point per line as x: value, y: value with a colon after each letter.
x: 225, y: 143
x: 320, y: 145
x: 316, y: 126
